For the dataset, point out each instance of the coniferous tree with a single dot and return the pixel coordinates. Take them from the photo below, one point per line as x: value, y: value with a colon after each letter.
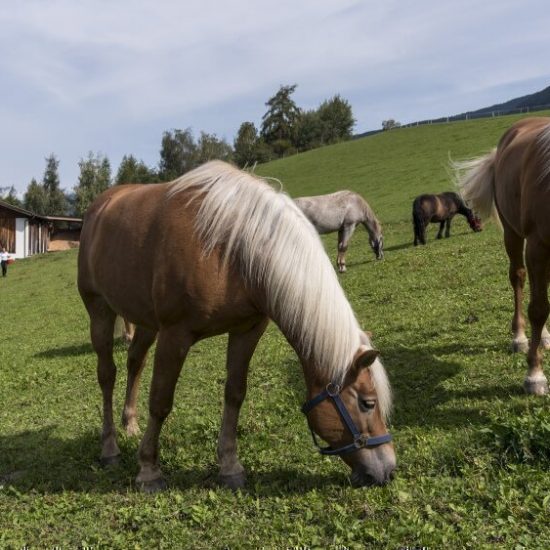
x: 57, y: 202
x: 9, y: 195
x: 279, y: 122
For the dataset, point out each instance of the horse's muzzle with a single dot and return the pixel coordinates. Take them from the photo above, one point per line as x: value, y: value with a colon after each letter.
x: 362, y: 478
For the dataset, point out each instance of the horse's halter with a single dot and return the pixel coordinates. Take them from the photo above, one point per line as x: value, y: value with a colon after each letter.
x: 360, y: 441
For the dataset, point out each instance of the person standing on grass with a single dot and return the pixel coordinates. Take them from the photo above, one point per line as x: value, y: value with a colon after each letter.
x: 4, y: 257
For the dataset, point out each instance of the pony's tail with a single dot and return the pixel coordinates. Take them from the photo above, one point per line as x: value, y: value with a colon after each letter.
x: 418, y: 223
x: 475, y: 181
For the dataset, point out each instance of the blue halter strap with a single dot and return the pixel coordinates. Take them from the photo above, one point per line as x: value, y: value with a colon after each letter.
x: 360, y: 441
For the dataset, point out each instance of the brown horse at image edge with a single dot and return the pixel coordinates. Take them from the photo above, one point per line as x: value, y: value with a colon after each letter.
x: 226, y: 253
x: 512, y: 183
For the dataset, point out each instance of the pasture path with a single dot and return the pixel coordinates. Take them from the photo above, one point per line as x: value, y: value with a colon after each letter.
x: 473, y: 451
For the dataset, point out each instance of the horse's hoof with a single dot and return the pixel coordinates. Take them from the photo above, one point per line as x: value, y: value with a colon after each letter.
x: 520, y: 346
x: 233, y: 481
x: 153, y: 486
x: 536, y: 385
x: 109, y: 461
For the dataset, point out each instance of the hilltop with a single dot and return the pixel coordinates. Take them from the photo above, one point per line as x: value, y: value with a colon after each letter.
x: 537, y: 99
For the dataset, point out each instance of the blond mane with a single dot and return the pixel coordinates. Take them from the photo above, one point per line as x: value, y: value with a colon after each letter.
x: 278, y: 250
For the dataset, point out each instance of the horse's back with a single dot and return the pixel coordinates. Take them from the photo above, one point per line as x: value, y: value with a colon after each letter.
x: 140, y: 253
x: 332, y: 211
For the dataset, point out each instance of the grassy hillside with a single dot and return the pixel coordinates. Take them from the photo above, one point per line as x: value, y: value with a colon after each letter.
x: 473, y: 451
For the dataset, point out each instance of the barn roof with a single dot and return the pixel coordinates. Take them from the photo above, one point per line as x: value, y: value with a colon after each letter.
x: 29, y: 214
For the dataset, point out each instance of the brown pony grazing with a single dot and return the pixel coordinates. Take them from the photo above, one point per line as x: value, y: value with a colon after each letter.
x: 226, y: 253
x: 439, y: 209
x: 512, y: 182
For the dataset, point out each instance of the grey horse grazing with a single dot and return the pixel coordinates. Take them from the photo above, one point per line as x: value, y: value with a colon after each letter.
x: 343, y: 211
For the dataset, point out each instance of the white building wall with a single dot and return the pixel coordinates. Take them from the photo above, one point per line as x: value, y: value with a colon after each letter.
x: 21, y: 237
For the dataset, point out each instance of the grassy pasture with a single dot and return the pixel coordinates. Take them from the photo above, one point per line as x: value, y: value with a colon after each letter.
x: 473, y: 451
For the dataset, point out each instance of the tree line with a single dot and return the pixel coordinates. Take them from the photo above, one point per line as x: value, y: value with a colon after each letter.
x: 286, y: 129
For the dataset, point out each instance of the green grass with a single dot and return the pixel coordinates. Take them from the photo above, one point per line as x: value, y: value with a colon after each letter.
x: 473, y: 451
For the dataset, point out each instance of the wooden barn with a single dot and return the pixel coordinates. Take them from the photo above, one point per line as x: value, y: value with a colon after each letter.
x: 24, y: 233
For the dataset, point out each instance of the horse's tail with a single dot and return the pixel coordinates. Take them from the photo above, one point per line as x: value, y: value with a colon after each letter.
x: 475, y: 181
x: 418, y: 222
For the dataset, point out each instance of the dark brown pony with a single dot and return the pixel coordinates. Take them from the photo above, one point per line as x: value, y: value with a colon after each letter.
x: 512, y: 182
x: 219, y: 251
x: 440, y: 209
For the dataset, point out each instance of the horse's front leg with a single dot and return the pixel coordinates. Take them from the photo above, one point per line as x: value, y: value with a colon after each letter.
x: 514, y: 249
x: 102, y: 323
x: 538, y: 264
x: 240, y: 348
x: 440, y: 232
x: 448, y: 227
x: 172, y: 347
x: 344, y: 235
x: 141, y: 342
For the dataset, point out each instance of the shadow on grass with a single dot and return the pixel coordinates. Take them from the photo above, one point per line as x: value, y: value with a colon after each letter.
x: 402, y: 246
x: 39, y: 463
x: 77, y: 350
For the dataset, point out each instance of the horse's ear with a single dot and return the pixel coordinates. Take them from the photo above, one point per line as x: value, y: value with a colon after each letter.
x: 364, y: 357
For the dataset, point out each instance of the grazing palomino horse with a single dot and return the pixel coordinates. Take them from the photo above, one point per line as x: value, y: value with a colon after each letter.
x: 225, y: 253
x: 343, y: 211
x: 512, y: 183
x: 440, y: 209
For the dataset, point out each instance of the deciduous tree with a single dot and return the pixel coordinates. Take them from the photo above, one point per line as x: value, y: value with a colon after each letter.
x: 132, y: 170
x: 178, y: 154
x: 210, y: 147
x: 336, y: 118
x: 94, y: 178
x: 36, y: 198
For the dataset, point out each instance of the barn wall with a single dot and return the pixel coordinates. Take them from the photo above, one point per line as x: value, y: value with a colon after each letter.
x: 21, y: 237
x: 7, y: 229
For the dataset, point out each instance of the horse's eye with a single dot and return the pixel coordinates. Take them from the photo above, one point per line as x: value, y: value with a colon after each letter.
x: 367, y: 404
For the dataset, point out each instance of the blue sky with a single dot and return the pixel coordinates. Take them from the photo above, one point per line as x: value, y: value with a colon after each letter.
x: 110, y: 76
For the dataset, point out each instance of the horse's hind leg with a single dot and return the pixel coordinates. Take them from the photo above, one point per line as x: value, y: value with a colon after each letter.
x: 538, y: 266
x: 440, y: 232
x: 344, y: 235
x: 239, y: 352
x: 137, y: 353
x: 172, y: 347
x: 102, y: 322
x: 514, y: 248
